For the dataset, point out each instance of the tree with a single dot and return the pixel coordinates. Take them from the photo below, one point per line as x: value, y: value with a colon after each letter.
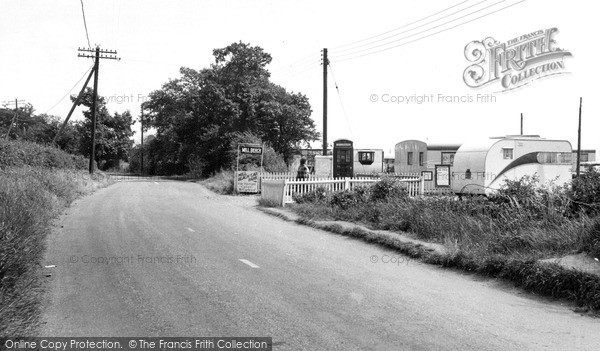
x: 199, y: 114
x: 113, y: 133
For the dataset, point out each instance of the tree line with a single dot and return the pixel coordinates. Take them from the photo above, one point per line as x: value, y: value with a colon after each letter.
x: 197, y: 118
x: 113, y: 138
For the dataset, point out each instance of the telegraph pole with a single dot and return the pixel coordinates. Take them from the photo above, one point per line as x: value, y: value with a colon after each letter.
x: 98, y: 54
x: 521, y: 123
x: 95, y: 99
x: 325, y: 63
x: 15, y: 116
x: 142, y: 148
x: 579, y: 140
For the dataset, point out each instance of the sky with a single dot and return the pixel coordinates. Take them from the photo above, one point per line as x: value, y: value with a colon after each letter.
x: 385, y: 58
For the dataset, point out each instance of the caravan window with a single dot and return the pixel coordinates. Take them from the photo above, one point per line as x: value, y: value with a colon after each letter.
x: 448, y: 158
x: 409, y: 157
x: 562, y: 158
x: 366, y: 157
x: 507, y: 153
x: 420, y: 158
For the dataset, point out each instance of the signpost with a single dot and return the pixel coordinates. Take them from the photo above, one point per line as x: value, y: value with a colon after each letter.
x: 247, y: 181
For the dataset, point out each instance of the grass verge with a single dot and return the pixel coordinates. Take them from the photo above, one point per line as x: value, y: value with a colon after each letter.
x: 34, y: 189
x: 221, y: 182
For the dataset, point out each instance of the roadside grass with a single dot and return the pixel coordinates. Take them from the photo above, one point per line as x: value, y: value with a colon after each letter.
x: 503, y: 236
x: 33, y: 191
x: 268, y: 203
x: 221, y: 182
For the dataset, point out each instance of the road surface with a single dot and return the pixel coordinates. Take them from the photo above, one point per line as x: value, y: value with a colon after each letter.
x: 170, y: 258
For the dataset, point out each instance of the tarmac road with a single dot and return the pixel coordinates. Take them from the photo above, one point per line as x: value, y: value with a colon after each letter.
x: 170, y: 258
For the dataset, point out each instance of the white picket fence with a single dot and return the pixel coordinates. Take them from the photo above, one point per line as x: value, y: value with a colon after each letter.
x: 299, y: 187
x: 413, y: 183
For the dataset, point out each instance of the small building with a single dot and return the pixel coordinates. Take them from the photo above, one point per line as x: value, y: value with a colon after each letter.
x: 415, y: 156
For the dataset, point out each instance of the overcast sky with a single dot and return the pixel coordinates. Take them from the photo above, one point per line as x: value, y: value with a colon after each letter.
x: 39, y: 63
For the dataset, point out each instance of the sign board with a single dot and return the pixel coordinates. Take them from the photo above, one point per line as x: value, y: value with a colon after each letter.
x: 427, y: 175
x: 247, y: 181
x: 253, y: 150
x: 442, y: 176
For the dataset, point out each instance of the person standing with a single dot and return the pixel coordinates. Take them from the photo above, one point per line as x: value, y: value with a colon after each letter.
x: 302, y: 170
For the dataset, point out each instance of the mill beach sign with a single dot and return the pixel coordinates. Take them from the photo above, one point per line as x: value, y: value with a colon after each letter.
x: 516, y: 62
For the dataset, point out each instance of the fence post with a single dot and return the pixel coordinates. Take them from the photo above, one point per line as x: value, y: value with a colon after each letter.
x: 285, y: 190
x: 346, y: 183
x: 421, y: 186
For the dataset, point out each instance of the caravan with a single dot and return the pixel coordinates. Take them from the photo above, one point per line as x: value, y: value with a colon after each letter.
x: 482, y: 167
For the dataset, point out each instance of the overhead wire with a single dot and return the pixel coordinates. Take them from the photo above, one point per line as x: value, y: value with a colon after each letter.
x: 70, y: 90
x: 85, y: 24
x: 411, y: 29
x: 432, y: 34
x: 340, y: 98
x: 395, y: 29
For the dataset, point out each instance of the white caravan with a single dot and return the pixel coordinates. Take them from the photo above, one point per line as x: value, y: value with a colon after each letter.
x: 481, y: 167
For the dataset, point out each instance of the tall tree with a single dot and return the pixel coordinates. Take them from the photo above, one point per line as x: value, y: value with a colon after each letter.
x: 114, y: 133
x: 198, y: 114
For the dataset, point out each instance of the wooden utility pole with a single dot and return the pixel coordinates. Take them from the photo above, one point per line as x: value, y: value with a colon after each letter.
x: 75, y: 104
x: 98, y: 54
x: 579, y: 140
x: 142, y: 148
x: 15, y: 116
x: 325, y: 64
x: 95, y: 99
x: 521, y: 123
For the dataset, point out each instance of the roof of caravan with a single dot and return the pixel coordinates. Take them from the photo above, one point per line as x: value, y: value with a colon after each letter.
x: 434, y: 146
x: 484, y: 144
x: 443, y: 146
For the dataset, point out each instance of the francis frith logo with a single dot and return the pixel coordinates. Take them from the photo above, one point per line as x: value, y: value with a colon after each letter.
x: 516, y: 62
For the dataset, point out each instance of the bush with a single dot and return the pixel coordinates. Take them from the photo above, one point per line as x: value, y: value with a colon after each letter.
x: 221, y: 182
x: 387, y: 188
x: 346, y: 198
x: 591, y: 241
x: 319, y: 194
x: 15, y: 153
x: 585, y: 193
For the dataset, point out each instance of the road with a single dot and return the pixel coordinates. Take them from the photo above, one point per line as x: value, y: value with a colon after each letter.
x: 187, y: 262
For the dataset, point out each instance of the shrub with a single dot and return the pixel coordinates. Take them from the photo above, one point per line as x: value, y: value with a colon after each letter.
x: 345, y: 199
x: 17, y: 153
x: 591, y: 241
x: 319, y: 194
x: 386, y: 188
x: 585, y: 193
x: 221, y: 182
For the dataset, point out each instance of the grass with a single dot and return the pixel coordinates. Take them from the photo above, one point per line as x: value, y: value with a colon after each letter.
x: 34, y: 189
x: 221, y: 182
x: 503, y: 236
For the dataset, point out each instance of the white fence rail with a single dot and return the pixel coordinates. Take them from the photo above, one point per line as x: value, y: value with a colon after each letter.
x: 414, y: 184
x: 300, y: 187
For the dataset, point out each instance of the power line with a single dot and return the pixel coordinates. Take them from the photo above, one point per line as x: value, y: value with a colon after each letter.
x: 295, y: 73
x: 85, y: 24
x: 431, y: 34
x: 340, y: 98
x: 395, y: 29
x: 70, y: 90
x: 411, y: 29
x: 423, y: 31
x: 294, y: 65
